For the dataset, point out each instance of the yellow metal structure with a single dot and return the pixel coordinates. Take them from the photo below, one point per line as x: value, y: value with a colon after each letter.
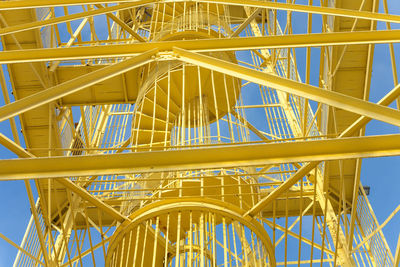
x: 190, y: 133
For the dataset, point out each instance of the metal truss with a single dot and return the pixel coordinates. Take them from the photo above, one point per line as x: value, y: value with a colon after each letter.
x: 196, y: 133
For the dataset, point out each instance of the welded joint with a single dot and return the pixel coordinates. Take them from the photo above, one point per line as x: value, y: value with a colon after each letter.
x: 165, y: 56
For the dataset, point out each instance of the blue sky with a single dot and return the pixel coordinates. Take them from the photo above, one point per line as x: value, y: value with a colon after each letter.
x: 381, y: 174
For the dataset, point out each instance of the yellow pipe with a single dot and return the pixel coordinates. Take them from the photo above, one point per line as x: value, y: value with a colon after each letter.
x: 201, y: 45
x: 331, y: 98
x: 216, y: 157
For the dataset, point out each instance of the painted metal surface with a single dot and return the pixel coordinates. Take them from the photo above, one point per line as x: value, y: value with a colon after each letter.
x: 181, y: 133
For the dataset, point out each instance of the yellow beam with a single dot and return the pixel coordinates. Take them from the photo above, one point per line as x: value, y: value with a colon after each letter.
x: 202, y: 45
x: 303, y: 171
x: 72, y: 86
x: 38, y: 227
x: 215, y: 157
x: 246, y: 22
x: 23, y: 4
x: 331, y: 98
x: 92, y: 199
x: 357, y: 125
x: 377, y: 229
x: 22, y: 153
x: 123, y: 25
x: 20, y: 249
x: 14, y: 147
x: 6, y: 5
x: 360, y: 122
x: 348, y: 13
x: 61, y: 19
x: 249, y: 125
x: 397, y: 256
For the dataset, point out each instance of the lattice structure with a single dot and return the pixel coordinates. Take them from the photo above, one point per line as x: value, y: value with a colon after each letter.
x: 195, y: 133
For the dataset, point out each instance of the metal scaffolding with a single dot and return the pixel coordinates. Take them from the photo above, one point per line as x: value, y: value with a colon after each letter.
x: 196, y: 133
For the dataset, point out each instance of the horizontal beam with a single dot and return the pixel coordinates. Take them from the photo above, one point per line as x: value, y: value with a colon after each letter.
x: 331, y: 98
x: 62, y: 19
x: 72, y: 86
x: 6, y: 5
x: 23, y: 4
x: 215, y: 157
x: 202, y: 45
x: 332, y: 11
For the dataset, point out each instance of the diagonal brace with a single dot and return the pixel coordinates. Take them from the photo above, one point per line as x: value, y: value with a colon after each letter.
x: 246, y: 22
x: 357, y: 125
x: 74, y: 85
x: 331, y: 98
x: 22, y: 153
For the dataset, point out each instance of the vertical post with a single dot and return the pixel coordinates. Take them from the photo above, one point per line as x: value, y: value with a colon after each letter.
x: 344, y: 258
x: 397, y: 256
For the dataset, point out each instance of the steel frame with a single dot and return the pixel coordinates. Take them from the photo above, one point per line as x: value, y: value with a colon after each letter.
x: 184, y: 137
